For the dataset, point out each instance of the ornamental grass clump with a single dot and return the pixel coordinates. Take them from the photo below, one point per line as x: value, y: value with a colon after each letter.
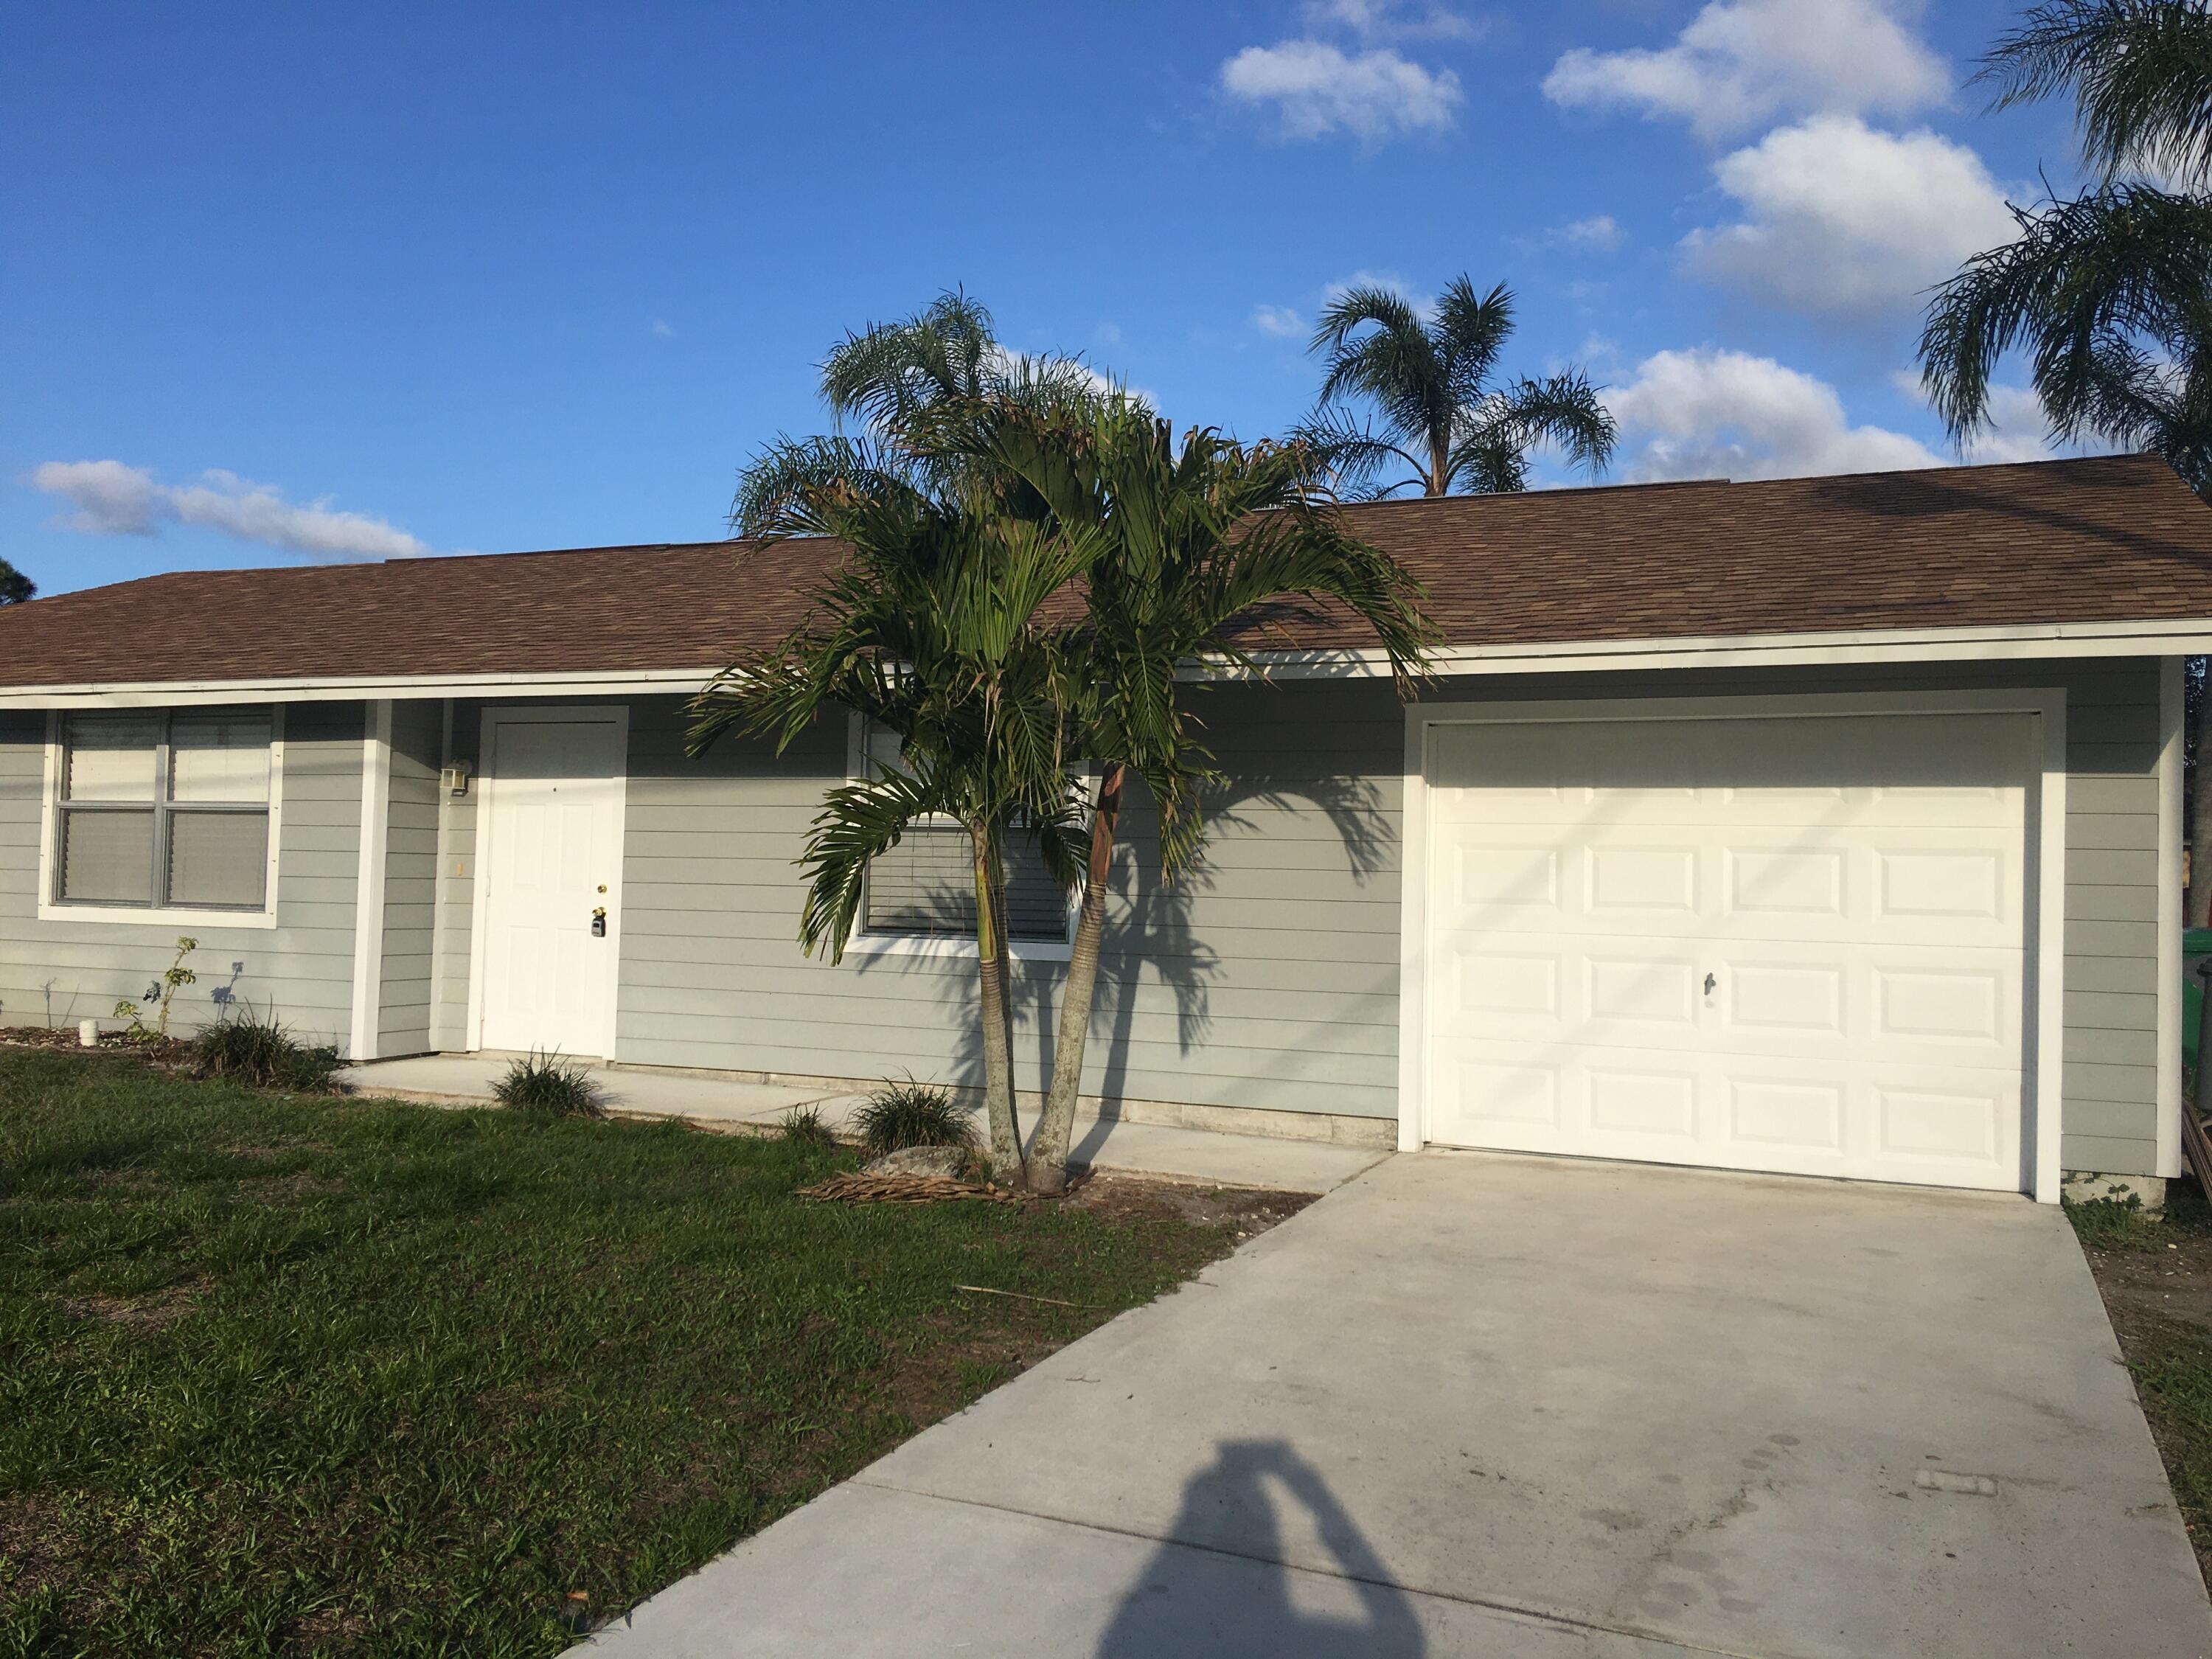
x: 260, y: 1051
x: 802, y: 1125
x: 910, y: 1113
x: 545, y: 1085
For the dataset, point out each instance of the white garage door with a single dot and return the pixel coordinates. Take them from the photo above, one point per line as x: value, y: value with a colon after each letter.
x: 1793, y: 943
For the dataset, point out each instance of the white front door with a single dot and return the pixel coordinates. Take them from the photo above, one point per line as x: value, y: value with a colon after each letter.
x: 550, y: 863
x: 1786, y: 944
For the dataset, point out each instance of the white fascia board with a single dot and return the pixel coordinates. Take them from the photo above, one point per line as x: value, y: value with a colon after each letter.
x: 2018, y: 644
x: 680, y: 682
x: 2027, y: 643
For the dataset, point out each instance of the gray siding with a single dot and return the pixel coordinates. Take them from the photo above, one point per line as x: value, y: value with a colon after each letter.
x: 60, y: 972
x: 411, y: 878
x: 1268, y: 978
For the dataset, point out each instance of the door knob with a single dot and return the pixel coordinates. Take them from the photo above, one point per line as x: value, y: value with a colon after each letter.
x: 1710, y: 983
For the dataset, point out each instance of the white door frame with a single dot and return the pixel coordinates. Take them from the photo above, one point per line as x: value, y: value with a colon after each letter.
x: 488, y: 784
x: 2044, y: 937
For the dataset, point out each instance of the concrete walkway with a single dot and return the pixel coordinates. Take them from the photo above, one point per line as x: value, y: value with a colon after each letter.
x: 1511, y: 1408
x: 1303, y: 1166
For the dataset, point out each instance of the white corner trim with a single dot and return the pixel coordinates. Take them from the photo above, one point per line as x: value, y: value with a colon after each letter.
x: 2172, y: 702
x: 441, y: 905
x: 131, y: 916
x: 2043, y: 1069
x: 369, y: 882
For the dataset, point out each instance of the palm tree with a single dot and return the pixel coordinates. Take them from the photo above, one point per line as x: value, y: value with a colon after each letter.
x: 16, y: 588
x: 893, y: 380
x: 928, y: 626
x: 1430, y: 383
x: 1193, y: 540
x: 2109, y: 293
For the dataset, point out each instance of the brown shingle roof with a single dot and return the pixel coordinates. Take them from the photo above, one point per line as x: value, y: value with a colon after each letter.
x: 2111, y: 539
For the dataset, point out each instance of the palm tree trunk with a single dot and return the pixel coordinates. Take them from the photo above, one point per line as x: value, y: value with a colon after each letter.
x: 1056, y: 1124
x: 1439, y: 482
x: 1003, y: 932
x: 991, y: 995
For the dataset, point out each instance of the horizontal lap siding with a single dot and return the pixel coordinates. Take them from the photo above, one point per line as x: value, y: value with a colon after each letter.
x: 410, y: 876
x: 60, y: 972
x: 2109, y: 1113
x: 1268, y: 978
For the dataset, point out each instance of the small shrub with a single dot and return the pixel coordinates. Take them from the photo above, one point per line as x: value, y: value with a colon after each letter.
x: 911, y: 1114
x: 803, y: 1124
x: 549, y: 1086
x: 259, y: 1050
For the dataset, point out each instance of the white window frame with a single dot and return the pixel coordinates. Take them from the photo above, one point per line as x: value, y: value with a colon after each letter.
x: 52, y: 907
x: 866, y: 945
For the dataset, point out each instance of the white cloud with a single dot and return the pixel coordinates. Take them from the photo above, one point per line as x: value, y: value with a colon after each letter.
x: 1601, y: 233
x: 112, y: 498
x: 660, y: 330
x: 1280, y: 321
x: 1840, y: 217
x: 2019, y: 427
x: 1389, y: 281
x: 1740, y: 62
x: 1707, y: 413
x: 1317, y: 90
x: 1391, y: 19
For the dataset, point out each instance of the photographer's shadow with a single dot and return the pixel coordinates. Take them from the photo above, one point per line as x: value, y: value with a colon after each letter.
x: 1223, y: 1593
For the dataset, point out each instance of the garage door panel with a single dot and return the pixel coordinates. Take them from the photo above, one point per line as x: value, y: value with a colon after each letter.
x: 1714, y: 956
x: 1945, y: 1125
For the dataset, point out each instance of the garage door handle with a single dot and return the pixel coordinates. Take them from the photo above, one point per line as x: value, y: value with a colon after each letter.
x: 1710, y: 983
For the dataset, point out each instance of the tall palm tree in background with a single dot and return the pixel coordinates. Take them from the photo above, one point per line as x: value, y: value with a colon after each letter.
x: 15, y: 587
x: 1193, y: 540
x: 1429, y: 384
x: 2108, y: 293
x: 928, y: 626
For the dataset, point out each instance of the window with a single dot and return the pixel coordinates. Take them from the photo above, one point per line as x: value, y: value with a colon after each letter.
x: 924, y: 887
x: 163, y: 812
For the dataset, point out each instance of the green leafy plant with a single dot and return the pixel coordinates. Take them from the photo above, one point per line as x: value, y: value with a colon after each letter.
x: 911, y: 1114
x: 547, y: 1084
x: 256, y: 1048
x: 803, y: 1125
x: 158, y: 995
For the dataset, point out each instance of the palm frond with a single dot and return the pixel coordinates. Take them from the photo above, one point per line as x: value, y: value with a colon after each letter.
x: 2139, y: 71
x: 1473, y: 329
x: 2124, y: 260
x: 857, y: 823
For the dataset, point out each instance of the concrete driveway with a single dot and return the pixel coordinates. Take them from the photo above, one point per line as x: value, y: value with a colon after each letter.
x: 1486, y: 1406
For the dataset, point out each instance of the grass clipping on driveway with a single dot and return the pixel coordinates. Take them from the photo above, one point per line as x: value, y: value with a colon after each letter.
x: 303, y: 1376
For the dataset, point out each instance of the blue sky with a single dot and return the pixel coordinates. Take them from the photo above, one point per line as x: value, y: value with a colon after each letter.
x: 287, y: 281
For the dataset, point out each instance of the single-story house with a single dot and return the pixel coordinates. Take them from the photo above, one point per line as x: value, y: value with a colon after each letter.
x: 1825, y: 826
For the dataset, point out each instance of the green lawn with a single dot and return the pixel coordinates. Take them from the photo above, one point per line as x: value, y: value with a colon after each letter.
x: 302, y: 1376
